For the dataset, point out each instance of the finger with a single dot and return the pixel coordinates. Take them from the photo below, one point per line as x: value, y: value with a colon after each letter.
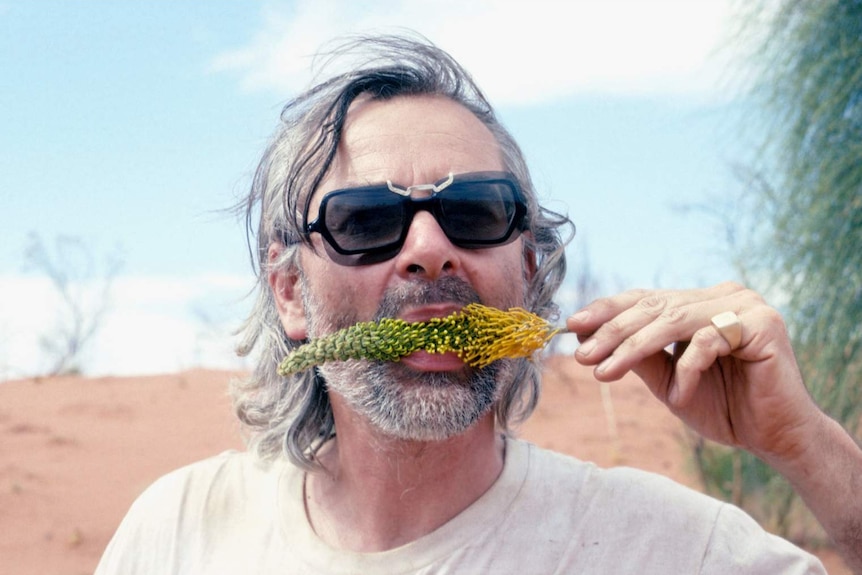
x: 656, y: 371
x: 602, y: 310
x: 677, y: 324
x: 635, y: 334
x: 646, y: 303
x: 700, y: 355
x: 588, y: 319
x: 611, y: 320
x: 617, y: 317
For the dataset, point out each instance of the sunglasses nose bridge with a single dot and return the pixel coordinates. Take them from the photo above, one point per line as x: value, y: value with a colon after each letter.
x: 422, y: 192
x: 429, y: 203
x: 426, y: 248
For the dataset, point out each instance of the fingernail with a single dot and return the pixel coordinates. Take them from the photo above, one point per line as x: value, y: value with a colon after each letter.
x: 580, y: 317
x: 587, y: 347
x: 605, y: 365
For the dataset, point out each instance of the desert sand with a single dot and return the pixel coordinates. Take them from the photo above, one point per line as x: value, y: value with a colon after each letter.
x: 76, y: 451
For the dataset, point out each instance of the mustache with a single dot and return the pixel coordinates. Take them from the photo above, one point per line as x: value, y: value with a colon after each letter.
x: 445, y: 290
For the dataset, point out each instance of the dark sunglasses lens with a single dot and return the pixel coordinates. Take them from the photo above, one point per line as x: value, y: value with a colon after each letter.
x: 361, y: 220
x: 477, y: 213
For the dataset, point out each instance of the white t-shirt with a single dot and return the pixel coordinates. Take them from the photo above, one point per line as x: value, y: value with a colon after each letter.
x: 547, y: 513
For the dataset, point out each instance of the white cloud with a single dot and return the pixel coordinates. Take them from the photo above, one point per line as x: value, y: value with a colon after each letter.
x: 27, y: 310
x: 521, y: 53
x: 152, y: 324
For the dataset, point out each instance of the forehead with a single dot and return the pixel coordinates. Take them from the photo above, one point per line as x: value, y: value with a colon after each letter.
x: 411, y: 140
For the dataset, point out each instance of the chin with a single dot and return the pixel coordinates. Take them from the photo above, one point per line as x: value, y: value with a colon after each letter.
x: 416, y: 405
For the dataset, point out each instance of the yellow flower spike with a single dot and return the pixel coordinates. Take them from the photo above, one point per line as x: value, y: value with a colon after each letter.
x: 479, y: 335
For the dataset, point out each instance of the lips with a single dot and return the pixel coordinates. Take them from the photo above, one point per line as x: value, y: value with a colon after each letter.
x: 426, y: 361
x: 427, y: 312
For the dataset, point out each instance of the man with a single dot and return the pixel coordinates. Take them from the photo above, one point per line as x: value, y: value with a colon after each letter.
x: 392, y: 191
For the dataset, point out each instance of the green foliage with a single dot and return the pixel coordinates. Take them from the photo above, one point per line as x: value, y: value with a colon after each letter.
x: 807, y: 186
x: 811, y: 89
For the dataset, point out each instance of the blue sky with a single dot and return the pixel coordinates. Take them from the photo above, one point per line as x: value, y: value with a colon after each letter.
x: 133, y: 125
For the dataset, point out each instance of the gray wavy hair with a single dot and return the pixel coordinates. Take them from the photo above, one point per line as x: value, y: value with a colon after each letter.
x: 292, y: 416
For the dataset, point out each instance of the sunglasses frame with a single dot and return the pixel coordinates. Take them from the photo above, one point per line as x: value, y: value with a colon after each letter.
x: 430, y: 203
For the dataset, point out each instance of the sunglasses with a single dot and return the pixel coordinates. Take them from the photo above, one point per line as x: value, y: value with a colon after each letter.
x: 369, y: 224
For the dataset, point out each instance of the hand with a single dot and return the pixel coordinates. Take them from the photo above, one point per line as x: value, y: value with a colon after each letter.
x: 751, y: 397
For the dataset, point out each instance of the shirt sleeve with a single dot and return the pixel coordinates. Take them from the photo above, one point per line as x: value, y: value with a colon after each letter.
x: 738, y: 544
x: 146, y: 540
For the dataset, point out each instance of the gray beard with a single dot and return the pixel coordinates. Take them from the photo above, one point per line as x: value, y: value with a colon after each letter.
x: 402, y: 402
x: 411, y: 405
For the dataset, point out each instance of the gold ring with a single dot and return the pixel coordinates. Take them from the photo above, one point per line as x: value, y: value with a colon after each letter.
x: 728, y: 325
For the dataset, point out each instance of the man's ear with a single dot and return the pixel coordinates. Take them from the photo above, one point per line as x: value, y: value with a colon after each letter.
x: 530, y: 264
x: 287, y: 293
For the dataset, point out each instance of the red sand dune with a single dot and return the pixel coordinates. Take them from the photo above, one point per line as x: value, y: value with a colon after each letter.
x: 75, y: 452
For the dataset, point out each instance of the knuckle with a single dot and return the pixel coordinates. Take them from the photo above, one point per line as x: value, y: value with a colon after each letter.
x: 756, y: 298
x: 745, y: 294
x: 652, y: 305
x: 773, y: 320
x: 636, y: 292
x: 635, y: 341
x: 732, y: 287
x: 674, y: 315
x: 602, y: 304
x: 608, y: 305
x: 613, y: 328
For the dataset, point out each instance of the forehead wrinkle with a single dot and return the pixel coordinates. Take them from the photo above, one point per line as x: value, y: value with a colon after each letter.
x: 388, y: 163
x: 410, y: 141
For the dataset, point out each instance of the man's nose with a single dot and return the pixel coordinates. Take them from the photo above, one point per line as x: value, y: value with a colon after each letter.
x: 427, y: 252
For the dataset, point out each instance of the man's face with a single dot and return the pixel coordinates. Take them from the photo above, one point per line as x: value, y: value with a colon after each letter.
x: 411, y: 141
